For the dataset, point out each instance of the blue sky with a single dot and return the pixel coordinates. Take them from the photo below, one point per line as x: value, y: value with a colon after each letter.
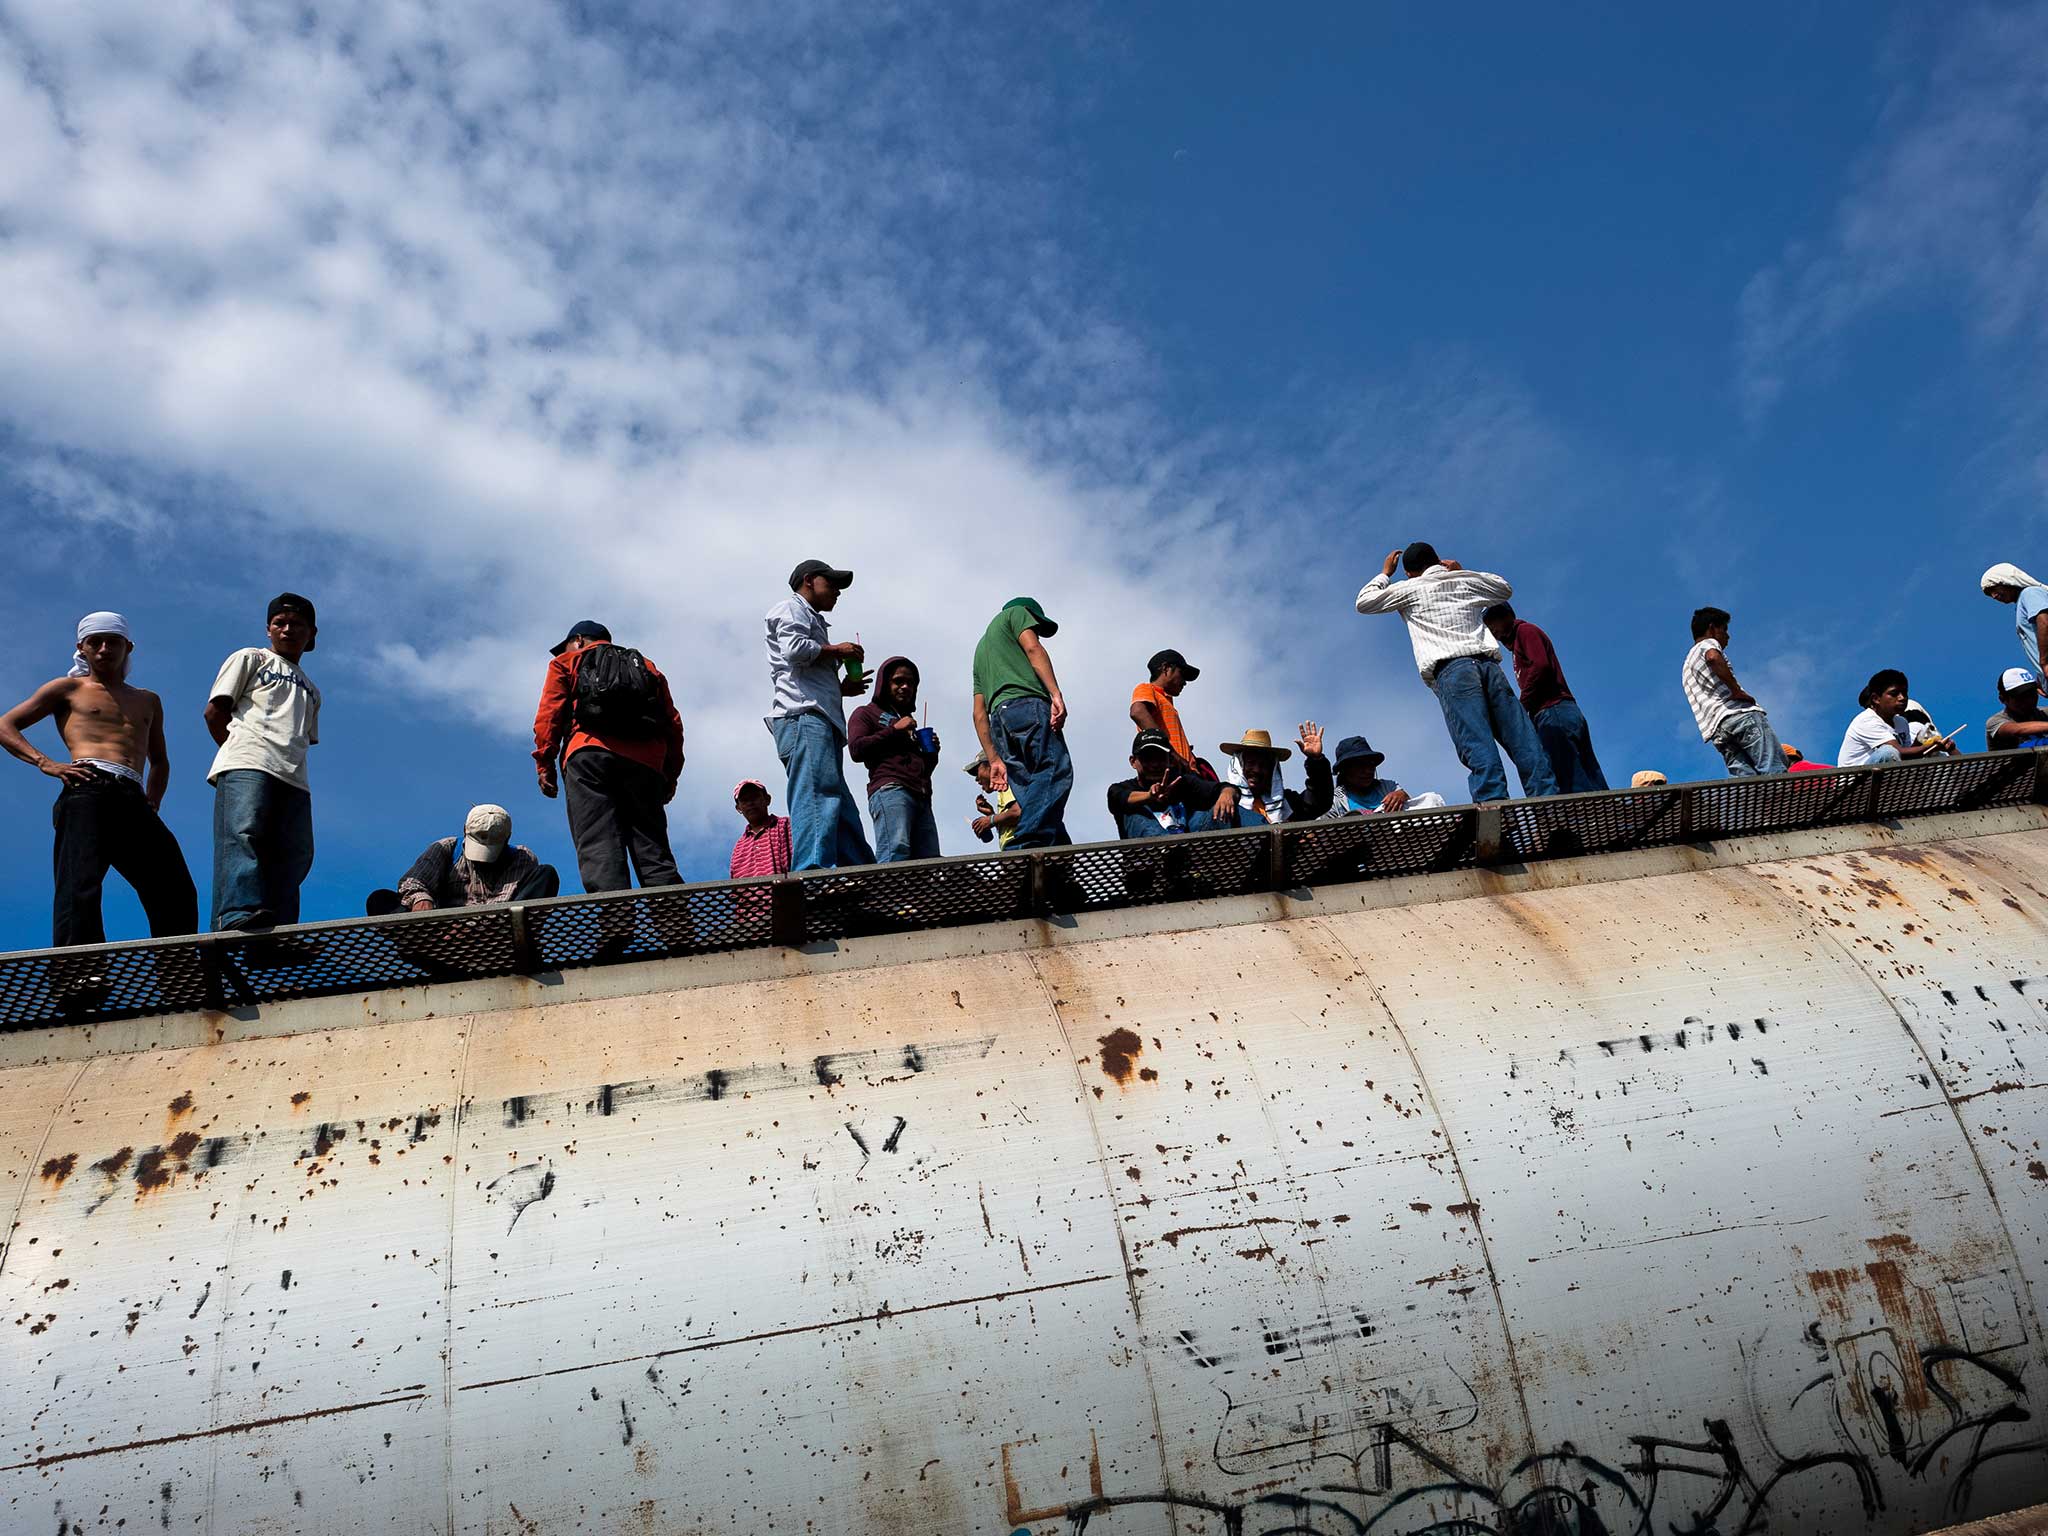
x: 474, y: 320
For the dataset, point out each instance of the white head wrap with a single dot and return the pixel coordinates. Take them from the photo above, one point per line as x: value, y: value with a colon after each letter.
x: 2005, y: 574
x: 101, y: 623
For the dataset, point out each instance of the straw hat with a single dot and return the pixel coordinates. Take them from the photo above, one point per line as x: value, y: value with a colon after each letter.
x: 1256, y: 741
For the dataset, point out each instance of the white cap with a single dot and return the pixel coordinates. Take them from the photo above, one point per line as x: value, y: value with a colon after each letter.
x: 485, y: 834
x: 2015, y: 677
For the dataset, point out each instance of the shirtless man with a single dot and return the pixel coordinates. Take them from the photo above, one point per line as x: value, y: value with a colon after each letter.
x: 106, y: 813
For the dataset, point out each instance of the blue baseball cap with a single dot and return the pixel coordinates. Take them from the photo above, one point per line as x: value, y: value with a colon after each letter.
x: 582, y: 629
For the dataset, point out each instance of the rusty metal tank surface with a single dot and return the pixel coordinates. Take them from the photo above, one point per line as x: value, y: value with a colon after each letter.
x: 1708, y: 1199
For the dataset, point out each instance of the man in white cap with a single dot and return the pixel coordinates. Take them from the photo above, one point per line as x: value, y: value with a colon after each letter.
x: 2019, y: 721
x: 106, y: 815
x: 2007, y: 583
x: 486, y: 868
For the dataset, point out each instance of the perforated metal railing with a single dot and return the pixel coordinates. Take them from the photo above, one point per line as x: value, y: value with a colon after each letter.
x: 236, y: 971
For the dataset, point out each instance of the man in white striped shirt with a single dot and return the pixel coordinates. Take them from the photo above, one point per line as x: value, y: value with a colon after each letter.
x: 1444, y: 605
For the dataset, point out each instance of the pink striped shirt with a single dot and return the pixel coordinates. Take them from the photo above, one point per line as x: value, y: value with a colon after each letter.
x: 763, y: 850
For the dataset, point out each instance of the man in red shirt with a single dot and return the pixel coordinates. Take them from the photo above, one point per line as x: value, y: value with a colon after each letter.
x: 1567, y: 741
x: 606, y: 713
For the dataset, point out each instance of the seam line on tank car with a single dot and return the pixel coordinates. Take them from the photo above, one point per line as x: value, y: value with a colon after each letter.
x: 35, y: 1161
x: 1123, y: 1251
x: 1507, y: 1334
x: 1934, y: 1070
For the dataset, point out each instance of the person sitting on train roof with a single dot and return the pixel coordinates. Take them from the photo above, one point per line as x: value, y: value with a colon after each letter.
x: 1361, y: 791
x: 1255, y: 769
x: 484, y: 870
x: 1881, y: 733
x: 2019, y: 721
x: 1160, y: 799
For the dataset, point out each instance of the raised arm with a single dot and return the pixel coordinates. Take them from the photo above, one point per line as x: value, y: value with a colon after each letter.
x: 1380, y: 595
x: 1041, y: 663
x: 37, y: 707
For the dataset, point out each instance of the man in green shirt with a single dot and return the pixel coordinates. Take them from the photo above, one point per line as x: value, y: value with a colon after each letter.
x: 1020, y: 716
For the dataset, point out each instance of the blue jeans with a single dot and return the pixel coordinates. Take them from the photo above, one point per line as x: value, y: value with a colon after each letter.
x: 1041, y: 773
x: 1881, y: 755
x: 1567, y: 742
x: 1480, y: 707
x: 904, y: 825
x: 1748, y: 745
x: 1145, y: 824
x: 262, y: 847
x: 824, y: 822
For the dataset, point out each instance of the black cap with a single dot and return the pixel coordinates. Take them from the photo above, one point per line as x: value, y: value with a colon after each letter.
x: 1165, y: 659
x: 1151, y: 741
x: 290, y: 602
x: 803, y: 573
x: 582, y: 629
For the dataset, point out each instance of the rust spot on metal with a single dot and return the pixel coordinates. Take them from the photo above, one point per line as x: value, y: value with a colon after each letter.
x: 1420, y: 1205
x: 1119, y: 1047
x: 299, y: 1100
x: 1962, y: 895
x: 58, y: 1169
x: 112, y: 1166
x: 184, y: 1144
x: 2038, y: 1170
x: 182, y: 1104
x: 2013, y: 904
x: 1147, y: 1075
x: 150, y: 1172
x: 1464, y: 1208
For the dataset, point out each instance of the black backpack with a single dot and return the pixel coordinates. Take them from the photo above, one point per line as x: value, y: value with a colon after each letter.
x: 616, y: 695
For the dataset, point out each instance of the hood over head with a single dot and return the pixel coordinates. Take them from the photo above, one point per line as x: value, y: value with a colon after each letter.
x: 882, y: 677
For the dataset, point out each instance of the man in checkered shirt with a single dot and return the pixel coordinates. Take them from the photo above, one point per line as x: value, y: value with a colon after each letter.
x: 1444, y: 605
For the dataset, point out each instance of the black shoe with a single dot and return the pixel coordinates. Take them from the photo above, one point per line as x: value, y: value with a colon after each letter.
x: 77, y: 994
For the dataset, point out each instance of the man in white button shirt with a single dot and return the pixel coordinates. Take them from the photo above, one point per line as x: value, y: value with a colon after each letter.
x: 1444, y: 605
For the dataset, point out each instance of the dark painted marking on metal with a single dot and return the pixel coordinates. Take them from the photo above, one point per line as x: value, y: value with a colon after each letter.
x: 60, y: 1457
x: 821, y: 1067
x: 714, y: 1084
x: 882, y: 1314
x: 895, y: 1135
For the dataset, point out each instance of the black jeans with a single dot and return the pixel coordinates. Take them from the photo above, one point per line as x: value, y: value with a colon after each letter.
x: 106, y: 823
x: 616, y: 809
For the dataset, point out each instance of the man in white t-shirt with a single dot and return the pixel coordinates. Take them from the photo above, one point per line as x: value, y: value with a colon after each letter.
x: 264, y: 713
x: 1730, y: 719
x: 1881, y: 733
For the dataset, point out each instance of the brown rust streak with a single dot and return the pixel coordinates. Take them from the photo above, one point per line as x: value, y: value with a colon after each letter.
x: 207, y: 1434
x: 777, y: 1333
x: 58, y: 1169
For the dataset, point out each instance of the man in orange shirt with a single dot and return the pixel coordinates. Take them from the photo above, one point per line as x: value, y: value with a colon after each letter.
x: 1153, y: 709
x: 606, y: 712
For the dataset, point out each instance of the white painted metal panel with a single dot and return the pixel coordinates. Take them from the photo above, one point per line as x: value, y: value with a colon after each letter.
x: 1699, y: 1201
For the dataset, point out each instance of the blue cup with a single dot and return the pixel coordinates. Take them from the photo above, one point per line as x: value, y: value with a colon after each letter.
x: 927, y: 739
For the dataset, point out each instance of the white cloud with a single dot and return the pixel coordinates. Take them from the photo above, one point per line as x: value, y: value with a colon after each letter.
x: 548, y: 322
x: 1951, y: 202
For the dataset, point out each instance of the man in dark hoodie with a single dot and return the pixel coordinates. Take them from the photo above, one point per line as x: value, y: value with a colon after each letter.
x: 884, y: 735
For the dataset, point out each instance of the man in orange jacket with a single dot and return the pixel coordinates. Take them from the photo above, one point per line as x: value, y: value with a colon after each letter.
x: 606, y: 713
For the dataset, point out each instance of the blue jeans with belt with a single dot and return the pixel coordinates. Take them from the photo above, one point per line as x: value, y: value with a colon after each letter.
x: 824, y: 820
x: 1480, y: 707
x: 1041, y: 773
